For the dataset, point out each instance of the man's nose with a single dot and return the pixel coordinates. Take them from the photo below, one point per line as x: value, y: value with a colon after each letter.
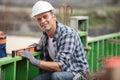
x: 42, y: 20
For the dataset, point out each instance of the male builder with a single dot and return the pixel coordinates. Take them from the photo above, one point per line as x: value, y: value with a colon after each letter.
x: 64, y: 57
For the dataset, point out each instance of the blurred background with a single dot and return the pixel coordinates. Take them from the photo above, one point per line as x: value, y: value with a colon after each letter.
x: 21, y: 29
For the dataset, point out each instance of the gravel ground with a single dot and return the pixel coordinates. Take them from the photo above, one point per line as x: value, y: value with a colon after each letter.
x: 17, y: 42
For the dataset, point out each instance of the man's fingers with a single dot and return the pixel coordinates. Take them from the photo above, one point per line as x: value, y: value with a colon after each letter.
x: 19, y: 53
x: 22, y: 53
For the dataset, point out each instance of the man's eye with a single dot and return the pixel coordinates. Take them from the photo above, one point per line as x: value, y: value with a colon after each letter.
x: 45, y: 16
x: 39, y: 19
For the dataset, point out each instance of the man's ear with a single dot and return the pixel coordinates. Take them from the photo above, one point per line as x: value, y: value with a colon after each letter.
x: 54, y: 16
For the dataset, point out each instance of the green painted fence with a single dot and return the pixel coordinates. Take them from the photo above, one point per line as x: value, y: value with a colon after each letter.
x: 101, y: 48
x: 18, y: 68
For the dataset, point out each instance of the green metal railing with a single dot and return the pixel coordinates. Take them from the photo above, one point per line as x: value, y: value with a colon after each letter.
x: 101, y: 48
x: 18, y: 68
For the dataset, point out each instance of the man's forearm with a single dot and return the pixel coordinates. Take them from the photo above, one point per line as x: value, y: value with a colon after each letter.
x: 49, y: 66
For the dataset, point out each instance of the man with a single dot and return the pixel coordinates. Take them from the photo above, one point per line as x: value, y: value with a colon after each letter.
x: 64, y: 57
x: 2, y: 45
x: 1, y: 34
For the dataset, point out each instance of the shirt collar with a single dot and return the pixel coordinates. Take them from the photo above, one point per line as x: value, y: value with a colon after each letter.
x: 57, y: 33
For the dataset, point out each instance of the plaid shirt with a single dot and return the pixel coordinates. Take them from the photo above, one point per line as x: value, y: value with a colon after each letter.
x: 69, y: 52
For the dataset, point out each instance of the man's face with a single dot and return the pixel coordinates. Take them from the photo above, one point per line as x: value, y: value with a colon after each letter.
x: 46, y: 21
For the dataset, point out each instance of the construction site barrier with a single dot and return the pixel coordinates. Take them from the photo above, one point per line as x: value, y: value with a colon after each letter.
x: 101, y: 47
x: 18, y: 68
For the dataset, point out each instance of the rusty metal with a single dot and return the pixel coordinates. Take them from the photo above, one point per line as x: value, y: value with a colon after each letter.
x: 65, y: 12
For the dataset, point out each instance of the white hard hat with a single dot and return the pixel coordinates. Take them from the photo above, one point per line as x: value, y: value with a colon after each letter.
x: 41, y: 7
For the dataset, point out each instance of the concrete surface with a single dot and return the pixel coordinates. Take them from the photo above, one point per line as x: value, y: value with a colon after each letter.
x: 17, y: 42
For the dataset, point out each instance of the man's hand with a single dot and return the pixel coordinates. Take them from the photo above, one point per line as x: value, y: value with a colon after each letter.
x: 30, y: 57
